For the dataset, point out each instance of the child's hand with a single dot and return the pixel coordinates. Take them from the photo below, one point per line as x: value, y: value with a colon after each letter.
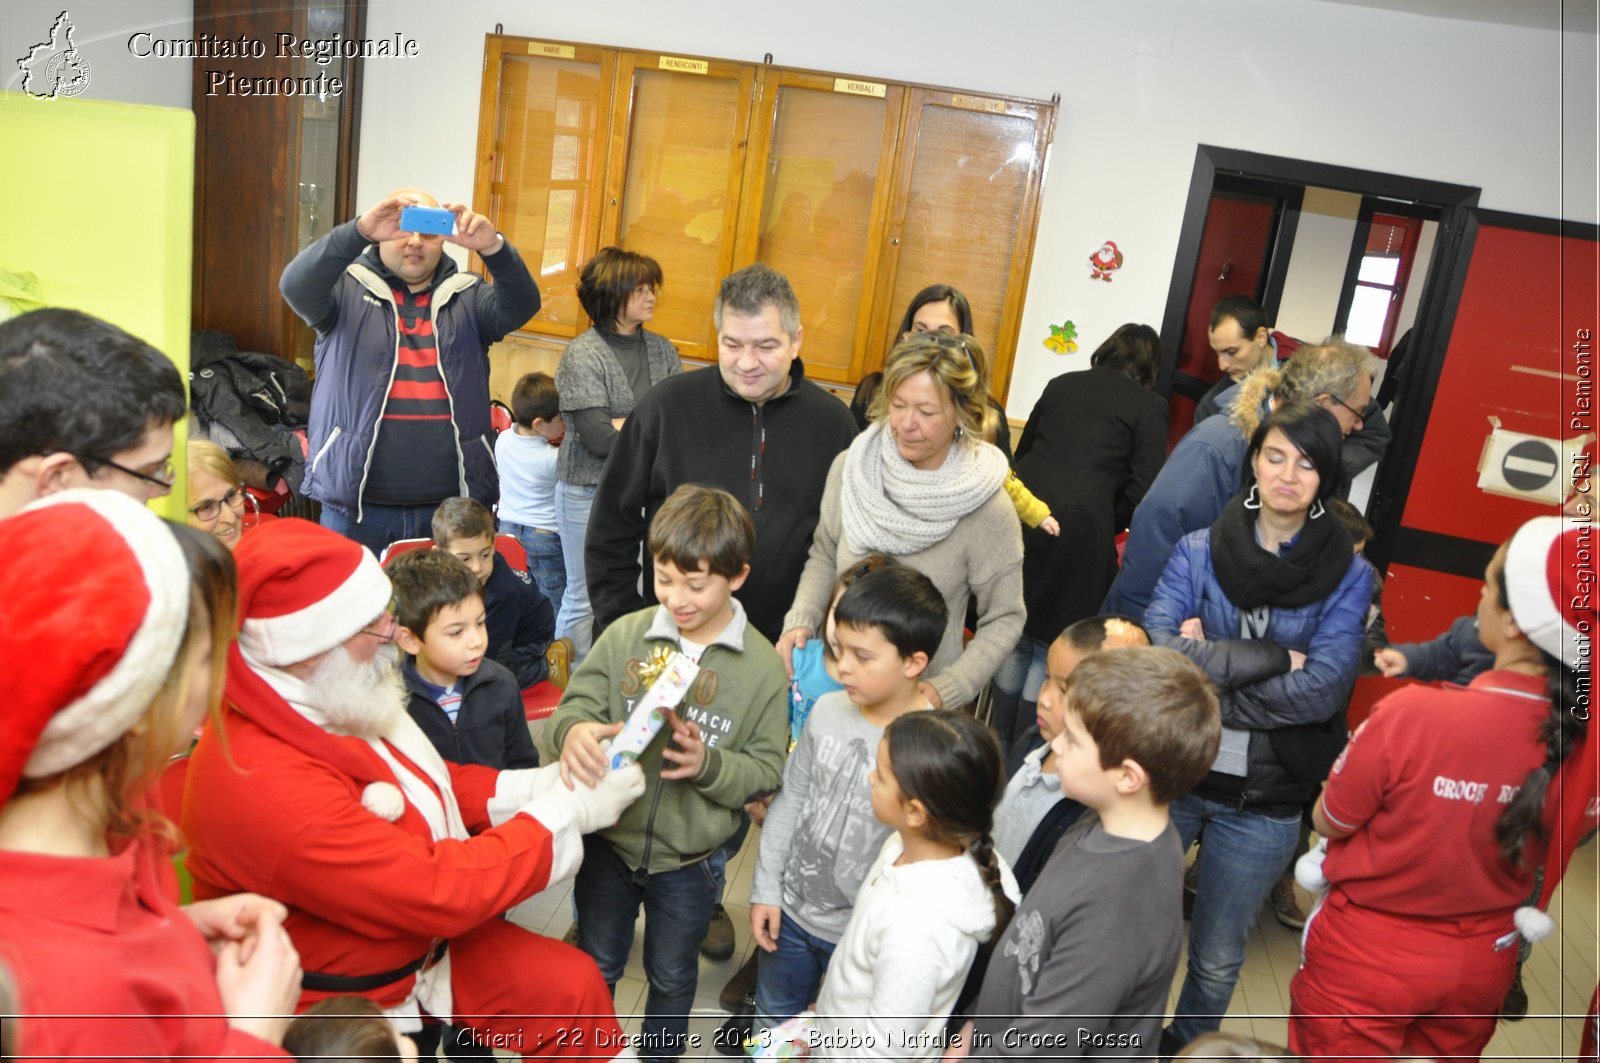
x: 236, y: 917
x: 1297, y: 660
x: 1192, y: 628
x: 581, y: 755
x: 689, y: 757
x: 764, y: 922
x: 1390, y: 661
x: 259, y: 990
x: 757, y: 809
x: 791, y: 640
x: 960, y: 1044
x: 1050, y: 526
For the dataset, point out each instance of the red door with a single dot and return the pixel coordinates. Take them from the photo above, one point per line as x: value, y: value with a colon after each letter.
x: 1234, y: 250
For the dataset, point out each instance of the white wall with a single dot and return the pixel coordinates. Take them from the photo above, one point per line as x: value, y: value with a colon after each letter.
x: 1142, y: 83
x: 1317, y: 263
x: 101, y: 32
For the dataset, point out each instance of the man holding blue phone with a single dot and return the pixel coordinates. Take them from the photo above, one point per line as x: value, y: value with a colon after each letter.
x: 400, y: 408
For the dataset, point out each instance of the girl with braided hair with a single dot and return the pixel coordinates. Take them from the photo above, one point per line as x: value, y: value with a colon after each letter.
x: 936, y: 893
x: 1447, y: 809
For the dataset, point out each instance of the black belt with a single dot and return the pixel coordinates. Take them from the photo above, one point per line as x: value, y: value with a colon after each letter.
x: 362, y: 983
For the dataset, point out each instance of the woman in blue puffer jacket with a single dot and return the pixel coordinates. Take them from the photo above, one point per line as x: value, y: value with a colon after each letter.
x: 1270, y: 602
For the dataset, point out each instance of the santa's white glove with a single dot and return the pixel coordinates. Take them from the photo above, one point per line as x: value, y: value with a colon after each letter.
x: 1308, y: 869
x: 588, y: 808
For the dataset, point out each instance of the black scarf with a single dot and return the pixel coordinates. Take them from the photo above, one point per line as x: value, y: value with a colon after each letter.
x: 1252, y: 577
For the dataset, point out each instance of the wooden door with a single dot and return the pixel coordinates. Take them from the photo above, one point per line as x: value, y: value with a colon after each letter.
x: 963, y: 214
x: 817, y: 196
x: 679, y: 132
x: 542, y: 162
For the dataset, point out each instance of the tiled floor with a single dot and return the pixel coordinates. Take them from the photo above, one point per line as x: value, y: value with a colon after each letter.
x: 1559, y: 977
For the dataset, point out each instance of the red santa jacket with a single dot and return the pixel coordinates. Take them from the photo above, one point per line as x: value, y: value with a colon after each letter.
x: 274, y: 807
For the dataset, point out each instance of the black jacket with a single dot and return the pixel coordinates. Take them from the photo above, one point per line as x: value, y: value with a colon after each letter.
x: 490, y: 729
x: 521, y: 622
x: 692, y: 428
x: 258, y: 400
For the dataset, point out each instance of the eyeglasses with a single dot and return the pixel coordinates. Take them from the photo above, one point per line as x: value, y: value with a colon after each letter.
x: 1360, y: 420
x: 388, y: 626
x: 162, y: 479
x: 237, y: 500
x: 948, y: 340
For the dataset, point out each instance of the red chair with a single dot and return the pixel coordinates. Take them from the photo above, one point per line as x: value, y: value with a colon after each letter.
x: 540, y: 700
x: 500, y: 416
x: 507, y: 546
x: 400, y: 546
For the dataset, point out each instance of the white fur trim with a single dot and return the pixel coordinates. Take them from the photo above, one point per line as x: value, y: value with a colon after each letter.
x: 318, y: 628
x: 1536, y: 606
x: 1308, y: 869
x: 114, y: 704
x: 1533, y: 924
x: 384, y: 800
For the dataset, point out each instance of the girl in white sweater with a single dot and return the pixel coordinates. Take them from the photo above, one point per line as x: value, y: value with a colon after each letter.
x: 937, y: 891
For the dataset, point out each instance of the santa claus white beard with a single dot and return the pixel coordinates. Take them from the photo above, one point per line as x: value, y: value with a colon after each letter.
x: 358, y: 698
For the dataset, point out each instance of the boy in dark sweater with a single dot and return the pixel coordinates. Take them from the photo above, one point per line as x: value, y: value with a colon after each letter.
x: 469, y: 706
x: 522, y: 622
x: 1085, y: 967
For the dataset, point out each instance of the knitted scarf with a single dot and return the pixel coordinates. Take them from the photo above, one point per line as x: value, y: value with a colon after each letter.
x: 1306, y: 572
x: 890, y: 505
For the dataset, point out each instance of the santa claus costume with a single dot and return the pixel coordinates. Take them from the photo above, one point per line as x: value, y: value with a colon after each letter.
x: 94, y: 603
x: 1414, y: 947
x: 395, y: 865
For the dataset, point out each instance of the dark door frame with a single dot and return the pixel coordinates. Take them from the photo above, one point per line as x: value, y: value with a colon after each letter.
x: 1436, y: 308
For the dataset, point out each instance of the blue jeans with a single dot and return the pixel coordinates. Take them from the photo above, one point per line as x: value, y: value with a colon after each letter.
x: 787, y: 980
x: 545, y: 563
x: 677, y: 911
x: 1241, y: 860
x: 1014, y: 691
x: 575, y: 619
x: 381, y: 525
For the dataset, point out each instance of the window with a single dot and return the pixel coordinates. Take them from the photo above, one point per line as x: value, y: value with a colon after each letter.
x: 1384, y: 265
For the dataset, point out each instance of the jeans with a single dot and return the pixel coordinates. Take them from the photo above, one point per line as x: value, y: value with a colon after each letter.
x: 575, y: 619
x: 677, y: 911
x: 787, y: 980
x: 1014, y: 691
x: 545, y: 563
x: 1241, y: 860
x: 381, y: 525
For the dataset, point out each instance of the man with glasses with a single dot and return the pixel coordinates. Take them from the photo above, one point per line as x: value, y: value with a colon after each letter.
x: 1203, y: 470
x: 83, y: 404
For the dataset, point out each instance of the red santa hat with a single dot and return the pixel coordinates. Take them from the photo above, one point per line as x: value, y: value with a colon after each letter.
x: 304, y: 590
x: 1550, y: 572
x: 94, y: 602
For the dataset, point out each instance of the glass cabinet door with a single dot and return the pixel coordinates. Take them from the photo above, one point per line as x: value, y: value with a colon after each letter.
x: 965, y: 209
x: 542, y: 175
x: 676, y: 196
x: 819, y: 148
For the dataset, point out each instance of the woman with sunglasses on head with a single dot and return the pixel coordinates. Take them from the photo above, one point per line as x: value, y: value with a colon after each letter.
x: 218, y: 501
x: 941, y: 308
x: 921, y: 486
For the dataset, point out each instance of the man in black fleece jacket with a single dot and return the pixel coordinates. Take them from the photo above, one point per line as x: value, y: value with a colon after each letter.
x: 756, y: 428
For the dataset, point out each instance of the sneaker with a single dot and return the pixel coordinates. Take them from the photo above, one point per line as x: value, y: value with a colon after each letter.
x: 741, y: 988
x: 718, y: 942
x: 1515, y: 1006
x: 559, y: 658
x: 571, y: 936
x: 1285, y: 905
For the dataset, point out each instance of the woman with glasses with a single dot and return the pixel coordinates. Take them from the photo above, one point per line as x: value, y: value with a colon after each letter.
x: 604, y: 373
x: 218, y: 502
x: 921, y: 486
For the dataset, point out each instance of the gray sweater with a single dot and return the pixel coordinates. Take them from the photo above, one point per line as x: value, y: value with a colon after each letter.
x: 1085, y: 966
x: 820, y: 836
x: 591, y: 378
x: 981, y: 560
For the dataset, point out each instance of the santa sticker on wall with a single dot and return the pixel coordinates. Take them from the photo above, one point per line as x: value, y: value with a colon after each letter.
x: 1533, y: 468
x: 1105, y: 262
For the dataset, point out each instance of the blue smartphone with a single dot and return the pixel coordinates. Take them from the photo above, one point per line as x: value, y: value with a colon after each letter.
x: 434, y: 220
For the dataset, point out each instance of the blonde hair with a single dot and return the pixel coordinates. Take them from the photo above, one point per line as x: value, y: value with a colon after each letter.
x: 1221, y: 1044
x: 957, y: 362
x: 1333, y: 367
x: 204, y: 454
